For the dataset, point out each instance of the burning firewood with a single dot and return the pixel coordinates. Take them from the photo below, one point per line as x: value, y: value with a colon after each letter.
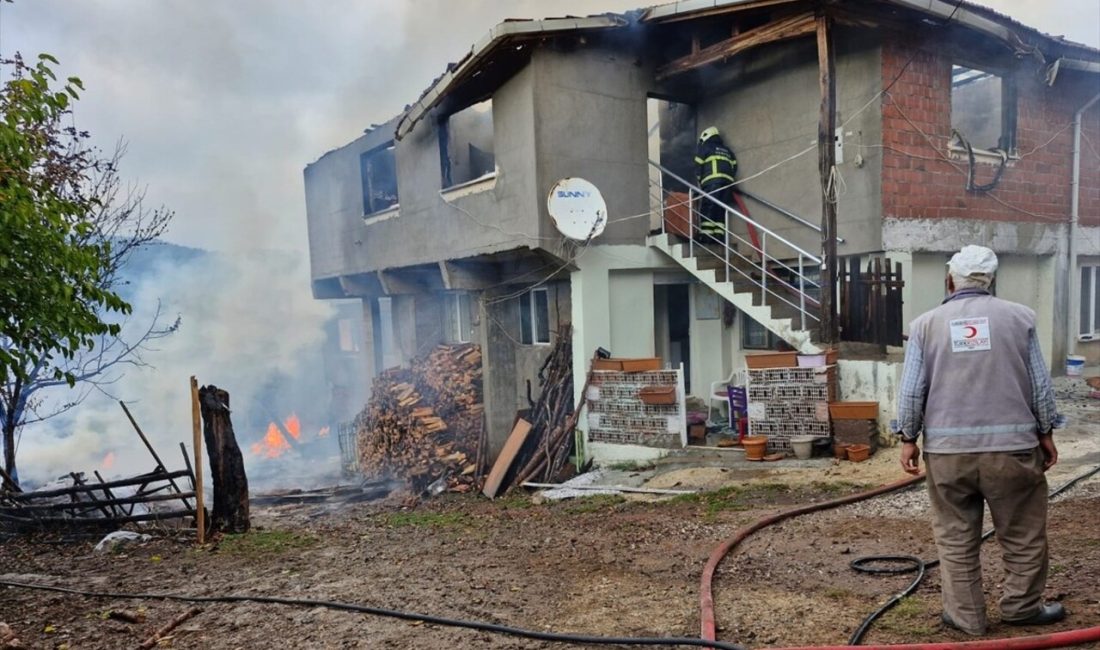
x: 424, y: 423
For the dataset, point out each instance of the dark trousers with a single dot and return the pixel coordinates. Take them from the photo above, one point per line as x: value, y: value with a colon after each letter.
x: 712, y: 224
x: 1015, y: 487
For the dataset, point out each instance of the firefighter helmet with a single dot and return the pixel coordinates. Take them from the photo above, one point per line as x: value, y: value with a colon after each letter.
x: 708, y: 133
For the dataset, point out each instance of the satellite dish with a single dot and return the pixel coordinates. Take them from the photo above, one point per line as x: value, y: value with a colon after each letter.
x: 577, y: 208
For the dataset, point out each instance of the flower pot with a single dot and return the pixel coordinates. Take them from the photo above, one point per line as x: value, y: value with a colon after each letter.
x: 658, y: 395
x: 754, y: 447
x: 853, y: 410
x: 772, y: 360
x: 859, y: 453
x: 803, y: 447
x: 840, y: 451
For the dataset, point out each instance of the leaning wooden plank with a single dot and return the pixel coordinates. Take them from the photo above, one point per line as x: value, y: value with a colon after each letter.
x: 506, y: 458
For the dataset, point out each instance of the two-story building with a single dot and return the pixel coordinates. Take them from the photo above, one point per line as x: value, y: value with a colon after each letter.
x: 955, y: 125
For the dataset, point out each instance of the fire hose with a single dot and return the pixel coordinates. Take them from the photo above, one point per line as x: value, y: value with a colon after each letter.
x: 1041, y: 642
x: 908, y: 564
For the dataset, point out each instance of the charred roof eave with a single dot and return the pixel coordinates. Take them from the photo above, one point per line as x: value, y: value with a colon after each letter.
x: 976, y: 17
x: 470, y: 66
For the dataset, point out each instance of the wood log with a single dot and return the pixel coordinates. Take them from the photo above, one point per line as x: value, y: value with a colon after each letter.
x: 159, y: 635
x: 230, y: 513
x: 420, y: 416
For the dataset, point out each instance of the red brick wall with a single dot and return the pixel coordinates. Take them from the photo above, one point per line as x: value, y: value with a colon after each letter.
x: 918, y: 183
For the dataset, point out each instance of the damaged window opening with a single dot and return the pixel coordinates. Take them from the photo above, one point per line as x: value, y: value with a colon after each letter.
x: 466, y: 144
x: 457, y: 313
x: 983, y: 109
x: 378, y: 170
x: 534, y: 317
x: 1089, y: 321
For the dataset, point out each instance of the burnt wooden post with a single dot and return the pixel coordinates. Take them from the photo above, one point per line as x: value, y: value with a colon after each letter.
x: 826, y: 157
x: 226, y: 463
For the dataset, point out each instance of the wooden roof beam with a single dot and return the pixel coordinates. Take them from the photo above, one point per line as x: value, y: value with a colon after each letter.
x: 782, y: 29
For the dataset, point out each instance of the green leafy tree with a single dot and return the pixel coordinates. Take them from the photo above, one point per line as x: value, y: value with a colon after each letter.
x: 64, y: 233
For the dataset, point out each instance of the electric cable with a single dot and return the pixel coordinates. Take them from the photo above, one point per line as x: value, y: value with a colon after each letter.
x: 554, y: 637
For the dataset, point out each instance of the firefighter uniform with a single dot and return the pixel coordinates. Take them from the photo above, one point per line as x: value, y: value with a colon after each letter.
x: 715, y: 170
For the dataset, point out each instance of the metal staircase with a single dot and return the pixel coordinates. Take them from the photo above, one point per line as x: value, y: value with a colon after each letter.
x: 761, y: 273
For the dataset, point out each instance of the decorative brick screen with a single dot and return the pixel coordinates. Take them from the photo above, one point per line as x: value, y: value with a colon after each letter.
x: 786, y: 402
x: 616, y: 413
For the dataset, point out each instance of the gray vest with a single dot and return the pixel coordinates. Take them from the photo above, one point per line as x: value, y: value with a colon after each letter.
x: 976, y: 363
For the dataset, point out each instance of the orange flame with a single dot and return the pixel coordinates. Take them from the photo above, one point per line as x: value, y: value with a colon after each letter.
x: 323, y: 432
x: 293, y: 426
x: 108, y: 461
x: 273, y: 443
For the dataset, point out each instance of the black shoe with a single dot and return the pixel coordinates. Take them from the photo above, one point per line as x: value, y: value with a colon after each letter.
x: 1048, y: 614
x: 948, y: 623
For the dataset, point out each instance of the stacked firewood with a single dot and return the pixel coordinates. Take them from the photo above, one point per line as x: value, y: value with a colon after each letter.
x: 545, y: 451
x: 424, y: 424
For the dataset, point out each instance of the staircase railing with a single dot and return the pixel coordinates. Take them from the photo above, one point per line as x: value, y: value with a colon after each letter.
x: 771, y: 263
x: 785, y: 212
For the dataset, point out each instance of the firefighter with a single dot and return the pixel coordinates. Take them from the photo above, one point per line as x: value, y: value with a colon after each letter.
x: 715, y: 171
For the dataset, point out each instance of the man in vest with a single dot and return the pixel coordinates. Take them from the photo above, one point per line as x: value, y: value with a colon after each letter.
x: 974, y: 382
x: 715, y: 170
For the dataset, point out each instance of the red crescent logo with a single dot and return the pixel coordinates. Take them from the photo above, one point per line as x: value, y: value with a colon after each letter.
x: 971, y: 331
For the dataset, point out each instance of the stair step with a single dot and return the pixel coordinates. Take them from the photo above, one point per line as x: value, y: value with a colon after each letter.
x: 742, y: 277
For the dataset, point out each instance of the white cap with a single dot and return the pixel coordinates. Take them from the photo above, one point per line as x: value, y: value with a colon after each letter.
x: 973, y: 260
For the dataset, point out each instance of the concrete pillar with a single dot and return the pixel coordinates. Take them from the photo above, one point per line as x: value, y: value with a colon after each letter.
x: 404, y: 327
x: 367, y: 357
x: 591, y: 319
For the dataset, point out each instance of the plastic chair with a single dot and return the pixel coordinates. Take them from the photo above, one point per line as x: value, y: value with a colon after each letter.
x: 719, y: 397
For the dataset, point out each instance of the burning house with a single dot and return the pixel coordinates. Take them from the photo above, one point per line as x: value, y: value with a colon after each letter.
x: 947, y: 124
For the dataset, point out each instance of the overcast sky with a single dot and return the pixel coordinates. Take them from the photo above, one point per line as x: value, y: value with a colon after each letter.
x: 223, y: 103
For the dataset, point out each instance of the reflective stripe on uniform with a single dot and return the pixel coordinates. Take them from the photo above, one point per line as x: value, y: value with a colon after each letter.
x: 725, y: 177
x: 713, y: 161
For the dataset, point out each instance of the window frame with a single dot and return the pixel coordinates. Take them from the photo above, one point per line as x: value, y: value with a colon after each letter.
x: 746, y: 322
x: 457, y: 327
x: 530, y: 334
x: 365, y: 180
x: 1088, y: 330
x: 1007, y: 139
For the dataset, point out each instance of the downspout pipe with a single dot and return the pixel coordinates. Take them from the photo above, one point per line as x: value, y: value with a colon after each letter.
x: 1074, y: 217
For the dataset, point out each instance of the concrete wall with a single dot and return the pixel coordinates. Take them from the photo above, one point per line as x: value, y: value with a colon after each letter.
x: 590, y: 116
x: 872, y: 381
x: 1031, y: 260
x: 429, y: 226
x: 509, y: 363
x: 771, y: 114
x: 630, y: 298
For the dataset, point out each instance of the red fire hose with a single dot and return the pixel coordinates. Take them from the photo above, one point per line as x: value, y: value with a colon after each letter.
x: 706, y: 595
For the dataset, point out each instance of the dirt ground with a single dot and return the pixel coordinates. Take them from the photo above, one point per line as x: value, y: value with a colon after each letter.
x: 602, y: 565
